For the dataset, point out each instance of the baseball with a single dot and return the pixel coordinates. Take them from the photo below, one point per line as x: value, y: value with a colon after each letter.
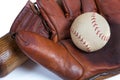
x: 90, y: 32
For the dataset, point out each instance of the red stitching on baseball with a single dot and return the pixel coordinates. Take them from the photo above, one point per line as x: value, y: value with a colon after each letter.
x: 96, y: 28
x: 98, y: 32
x: 107, y: 38
x: 76, y: 34
x: 103, y: 37
x: 93, y: 21
x: 81, y: 39
x: 95, y: 25
x: 100, y: 35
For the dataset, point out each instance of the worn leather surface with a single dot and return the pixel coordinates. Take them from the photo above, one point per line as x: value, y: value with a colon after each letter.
x: 58, y: 53
x: 29, y: 19
x: 59, y: 20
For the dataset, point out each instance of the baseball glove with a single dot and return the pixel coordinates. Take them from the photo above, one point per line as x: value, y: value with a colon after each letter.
x: 58, y: 53
x: 29, y: 20
x: 10, y: 55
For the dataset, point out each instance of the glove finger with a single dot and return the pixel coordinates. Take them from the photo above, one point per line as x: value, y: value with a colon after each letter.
x: 29, y: 20
x: 71, y: 8
x: 88, y: 6
x: 55, y: 17
x: 51, y: 55
x: 110, y: 9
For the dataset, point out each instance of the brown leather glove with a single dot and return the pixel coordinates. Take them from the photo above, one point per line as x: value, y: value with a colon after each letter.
x: 29, y: 19
x: 59, y: 54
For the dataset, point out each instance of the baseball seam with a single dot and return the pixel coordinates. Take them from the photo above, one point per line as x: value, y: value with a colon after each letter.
x: 96, y: 28
x: 81, y: 39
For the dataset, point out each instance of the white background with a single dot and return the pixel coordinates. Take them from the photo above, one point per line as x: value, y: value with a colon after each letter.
x: 9, y: 9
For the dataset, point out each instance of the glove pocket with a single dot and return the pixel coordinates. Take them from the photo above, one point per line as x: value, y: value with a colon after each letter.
x: 51, y: 55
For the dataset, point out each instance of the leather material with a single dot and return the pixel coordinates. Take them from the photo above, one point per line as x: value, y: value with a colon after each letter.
x: 53, y: 56
x: 88, y: 6
x: 110, y: 9
x: 29, y: 19
x: 58, y: 53
x: 59, y: 20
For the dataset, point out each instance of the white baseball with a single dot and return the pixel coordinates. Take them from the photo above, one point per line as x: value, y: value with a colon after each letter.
x: 90, y: 31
